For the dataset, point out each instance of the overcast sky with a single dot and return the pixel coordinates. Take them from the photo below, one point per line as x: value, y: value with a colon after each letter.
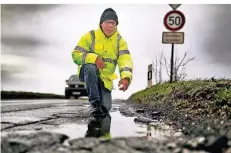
x: 37, y: 41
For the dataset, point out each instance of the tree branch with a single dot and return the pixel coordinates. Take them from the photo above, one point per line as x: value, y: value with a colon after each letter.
x: 166, y: 66
x: 190, y: 59
x: 156, y: 74
x: 160, y: 67
x: 185, y: 54
x: 183, y: 74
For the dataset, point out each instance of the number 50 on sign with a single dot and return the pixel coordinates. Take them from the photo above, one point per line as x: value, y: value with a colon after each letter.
x: 174, y: 20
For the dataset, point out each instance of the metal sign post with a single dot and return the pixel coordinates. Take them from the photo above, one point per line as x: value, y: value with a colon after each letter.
x: 174, y: 21
x: 172, y: 64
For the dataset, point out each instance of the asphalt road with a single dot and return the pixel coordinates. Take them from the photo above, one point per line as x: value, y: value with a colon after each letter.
x: 36, y: 125
x: 63, y: 116
x: 22, y: 105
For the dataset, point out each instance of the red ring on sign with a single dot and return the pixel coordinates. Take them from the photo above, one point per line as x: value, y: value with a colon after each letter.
x: 166, y: 18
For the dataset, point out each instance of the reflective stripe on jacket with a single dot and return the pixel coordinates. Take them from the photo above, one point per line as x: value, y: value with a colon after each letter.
x: 112, y: 50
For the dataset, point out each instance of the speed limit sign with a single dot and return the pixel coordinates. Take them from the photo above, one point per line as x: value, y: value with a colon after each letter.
x: 174, y: 20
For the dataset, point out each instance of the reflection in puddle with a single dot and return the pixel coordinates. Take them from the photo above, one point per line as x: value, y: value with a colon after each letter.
x: 114, y: 125
x: 72, y: 130
x: 111, y: 126
x: 124, y: 126
x: 99, y: 127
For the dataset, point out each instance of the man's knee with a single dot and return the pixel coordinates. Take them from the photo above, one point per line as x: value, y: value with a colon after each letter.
x: 90, y: 68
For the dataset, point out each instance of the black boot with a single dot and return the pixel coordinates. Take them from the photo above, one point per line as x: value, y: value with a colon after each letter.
x: 97, y: 109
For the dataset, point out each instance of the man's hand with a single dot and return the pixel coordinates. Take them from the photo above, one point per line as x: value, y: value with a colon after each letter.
x: 124, y: 83
x: 99, y: 63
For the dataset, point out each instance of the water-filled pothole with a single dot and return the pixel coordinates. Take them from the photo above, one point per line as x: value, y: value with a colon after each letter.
x: 115, y: 125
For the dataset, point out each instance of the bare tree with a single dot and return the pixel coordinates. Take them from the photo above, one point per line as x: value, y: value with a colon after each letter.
x: 160, y: 67
x: 179, y: 67
x: 157, y: 68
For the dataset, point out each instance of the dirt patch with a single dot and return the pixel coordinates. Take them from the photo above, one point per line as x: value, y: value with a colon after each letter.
x: 199, y: 108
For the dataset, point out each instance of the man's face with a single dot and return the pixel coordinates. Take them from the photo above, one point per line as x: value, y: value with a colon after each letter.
x: 109, y: 27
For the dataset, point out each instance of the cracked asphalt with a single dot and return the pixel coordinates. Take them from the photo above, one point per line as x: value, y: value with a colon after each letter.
x: 64, y: 126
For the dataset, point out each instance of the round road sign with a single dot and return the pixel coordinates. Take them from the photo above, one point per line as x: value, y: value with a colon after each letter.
x: 174, y: 20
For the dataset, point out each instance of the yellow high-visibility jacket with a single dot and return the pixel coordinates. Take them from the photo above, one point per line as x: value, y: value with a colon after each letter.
x: 112, y: 50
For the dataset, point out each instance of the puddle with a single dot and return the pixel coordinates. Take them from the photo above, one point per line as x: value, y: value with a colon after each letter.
x: 116, y: 125
x: 113, y: 125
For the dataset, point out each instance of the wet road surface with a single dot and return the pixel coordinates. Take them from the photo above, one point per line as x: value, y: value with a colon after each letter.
x: 69, y: 117
x: 64, y: 126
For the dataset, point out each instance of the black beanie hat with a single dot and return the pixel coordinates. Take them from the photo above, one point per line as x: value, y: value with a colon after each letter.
x: 109, y: 14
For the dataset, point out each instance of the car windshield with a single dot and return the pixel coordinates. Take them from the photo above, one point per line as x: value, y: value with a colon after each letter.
x: 74, y: 78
